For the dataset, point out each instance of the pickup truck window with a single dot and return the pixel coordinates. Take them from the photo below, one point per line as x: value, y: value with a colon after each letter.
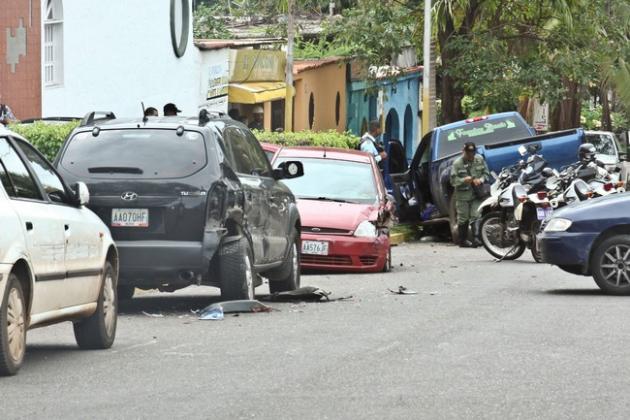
x: 481, y: 132
x: 604, y: 143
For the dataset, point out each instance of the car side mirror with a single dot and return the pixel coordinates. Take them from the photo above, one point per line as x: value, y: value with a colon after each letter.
x: 289, y: 170
x: 81, y: 193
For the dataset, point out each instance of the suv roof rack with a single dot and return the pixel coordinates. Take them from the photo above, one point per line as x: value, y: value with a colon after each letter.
x: 91, y: 118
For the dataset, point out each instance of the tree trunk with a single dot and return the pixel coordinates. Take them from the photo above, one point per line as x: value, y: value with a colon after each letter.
x: 606, y: 118
x: 566, y: 114
x: 451, y: 95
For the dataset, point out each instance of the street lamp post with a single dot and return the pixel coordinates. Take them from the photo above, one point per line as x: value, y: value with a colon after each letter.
x: 288, y: 102
x: 428, y: 79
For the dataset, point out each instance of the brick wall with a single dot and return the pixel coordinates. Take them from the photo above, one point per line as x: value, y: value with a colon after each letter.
x: 20, y: 57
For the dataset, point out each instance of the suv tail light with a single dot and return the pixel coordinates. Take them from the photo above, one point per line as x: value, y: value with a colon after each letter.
x: 541, y: 195
x: 215, y: 205
x: 608, y: 186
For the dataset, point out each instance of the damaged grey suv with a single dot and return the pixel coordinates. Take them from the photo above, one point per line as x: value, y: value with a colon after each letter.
x: 188, y: 201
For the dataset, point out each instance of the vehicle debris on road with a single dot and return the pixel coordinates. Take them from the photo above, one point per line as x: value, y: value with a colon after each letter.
x: 402, y: 290
x: 216, y: 311
x: 305, y: 294
x: 152, y: 315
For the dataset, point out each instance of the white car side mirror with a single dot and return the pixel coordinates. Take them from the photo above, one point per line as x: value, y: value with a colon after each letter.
x: 82, y: 193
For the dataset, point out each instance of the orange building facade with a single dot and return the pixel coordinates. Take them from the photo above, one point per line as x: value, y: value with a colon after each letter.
x: 320, y: 95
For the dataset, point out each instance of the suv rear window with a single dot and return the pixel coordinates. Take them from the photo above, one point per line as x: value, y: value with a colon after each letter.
x: 484, y: 132
x: 142, y: 153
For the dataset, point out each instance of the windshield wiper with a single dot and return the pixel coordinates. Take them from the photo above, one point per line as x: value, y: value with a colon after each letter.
x: 115, y: 169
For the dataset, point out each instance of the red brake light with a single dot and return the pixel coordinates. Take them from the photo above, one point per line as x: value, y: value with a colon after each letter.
x: 541, y: 195
x: 608, y: 186
x: 476, y: 119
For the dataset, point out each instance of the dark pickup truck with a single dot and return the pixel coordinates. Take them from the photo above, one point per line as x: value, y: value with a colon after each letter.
x: 424, y: 192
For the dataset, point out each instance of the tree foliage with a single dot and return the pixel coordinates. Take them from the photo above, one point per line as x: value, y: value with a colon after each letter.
x: 493, y: 52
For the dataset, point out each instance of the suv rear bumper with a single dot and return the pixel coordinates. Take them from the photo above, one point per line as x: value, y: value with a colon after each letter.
x: 155, y: 263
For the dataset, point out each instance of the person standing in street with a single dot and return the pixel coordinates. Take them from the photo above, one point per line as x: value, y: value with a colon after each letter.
x: 368, y: 142
x: 6, y: 114
x: 468, y: 175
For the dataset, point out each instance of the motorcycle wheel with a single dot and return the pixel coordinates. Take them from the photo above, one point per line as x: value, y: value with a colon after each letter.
x: 493, y: 238
x: 534, y: 248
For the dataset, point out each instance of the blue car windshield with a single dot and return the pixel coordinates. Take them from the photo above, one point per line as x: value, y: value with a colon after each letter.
x: 483, y: 132
x: 335, y: 180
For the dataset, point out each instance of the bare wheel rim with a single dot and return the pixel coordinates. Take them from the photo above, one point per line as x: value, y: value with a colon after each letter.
x: 615, y: 265
x: 109, y: 304
x: 15, y: 326
x: 249, y: 277
x: 295, y: 262
x: 495, y: 237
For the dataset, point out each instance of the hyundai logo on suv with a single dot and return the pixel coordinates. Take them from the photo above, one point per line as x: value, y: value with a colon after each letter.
x: 129, y: 196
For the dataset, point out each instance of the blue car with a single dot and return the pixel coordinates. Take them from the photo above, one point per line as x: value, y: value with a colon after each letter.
x: 592, y: 238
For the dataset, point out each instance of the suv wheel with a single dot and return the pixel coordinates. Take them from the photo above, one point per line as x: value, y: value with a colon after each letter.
x: 291, y: 279
x: 12, y: 328
x: 99, y: 330
x: 237, y: 271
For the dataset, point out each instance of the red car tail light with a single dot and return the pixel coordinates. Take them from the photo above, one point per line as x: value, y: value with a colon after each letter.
x: 541, y: 195
x: 608, y: 186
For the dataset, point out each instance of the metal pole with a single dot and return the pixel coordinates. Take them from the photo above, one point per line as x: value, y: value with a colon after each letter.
x: 427, y: 73
x: 288, y: 102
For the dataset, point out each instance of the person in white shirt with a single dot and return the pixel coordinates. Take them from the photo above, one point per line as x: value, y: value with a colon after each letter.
x: 368, y: 142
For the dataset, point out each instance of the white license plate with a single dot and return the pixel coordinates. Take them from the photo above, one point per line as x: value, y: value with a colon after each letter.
x: 315, y: 247
x: 130, y: 218
x: 543, y: 212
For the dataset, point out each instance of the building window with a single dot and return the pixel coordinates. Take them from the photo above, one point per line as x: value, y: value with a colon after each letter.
x: 337, y: 108
x: 53, y: 43
x: 311, y: 111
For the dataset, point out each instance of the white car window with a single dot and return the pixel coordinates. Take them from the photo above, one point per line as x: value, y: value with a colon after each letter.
x: 45, y: 173
x: 22, y: 183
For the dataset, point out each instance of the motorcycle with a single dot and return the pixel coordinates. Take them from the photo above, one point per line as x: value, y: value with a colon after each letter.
x: 518, y: 203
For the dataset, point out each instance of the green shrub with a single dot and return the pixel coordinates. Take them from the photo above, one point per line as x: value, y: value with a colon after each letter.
x: 47, y: 138
x: 310, y: 138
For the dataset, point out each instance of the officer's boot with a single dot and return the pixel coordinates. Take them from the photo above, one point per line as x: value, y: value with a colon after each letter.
x: 463, y: 236
x: 476, y: 231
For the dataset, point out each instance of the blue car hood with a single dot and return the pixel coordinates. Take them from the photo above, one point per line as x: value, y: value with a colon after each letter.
x: 614, y: 205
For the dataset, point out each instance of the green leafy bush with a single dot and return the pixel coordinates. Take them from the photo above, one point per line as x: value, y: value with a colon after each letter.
x: 48, y: 138
x: 310, y: 138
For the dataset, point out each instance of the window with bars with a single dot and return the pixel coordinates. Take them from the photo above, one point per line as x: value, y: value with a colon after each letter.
x: 53, y: 43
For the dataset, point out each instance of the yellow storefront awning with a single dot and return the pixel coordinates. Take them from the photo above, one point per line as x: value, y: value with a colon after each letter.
x: 256, y: 92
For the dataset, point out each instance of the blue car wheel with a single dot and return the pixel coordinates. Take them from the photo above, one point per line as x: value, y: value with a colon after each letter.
x: 611, y: 265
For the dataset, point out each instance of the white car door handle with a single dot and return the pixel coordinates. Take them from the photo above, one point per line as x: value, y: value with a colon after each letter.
x: 29, y: 226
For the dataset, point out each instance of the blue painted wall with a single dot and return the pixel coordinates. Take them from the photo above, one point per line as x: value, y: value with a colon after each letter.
x: 401, y: 108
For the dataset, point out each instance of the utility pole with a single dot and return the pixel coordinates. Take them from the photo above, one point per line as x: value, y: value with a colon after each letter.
x: 428, y: 79
x: 288, y: 102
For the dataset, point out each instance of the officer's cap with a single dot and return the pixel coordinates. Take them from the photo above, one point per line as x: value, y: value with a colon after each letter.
x: 470, y: 147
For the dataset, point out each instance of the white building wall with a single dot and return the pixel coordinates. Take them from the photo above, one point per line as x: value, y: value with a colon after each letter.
x: 118, y: 53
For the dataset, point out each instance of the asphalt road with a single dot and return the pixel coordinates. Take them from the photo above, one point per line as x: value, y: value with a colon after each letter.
x: 480, y: 340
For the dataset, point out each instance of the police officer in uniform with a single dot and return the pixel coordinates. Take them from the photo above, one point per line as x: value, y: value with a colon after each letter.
x: 468, y: 174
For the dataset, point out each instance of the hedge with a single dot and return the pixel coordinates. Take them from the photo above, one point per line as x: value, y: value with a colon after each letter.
x: 46, y: 137
x: 310, y: 138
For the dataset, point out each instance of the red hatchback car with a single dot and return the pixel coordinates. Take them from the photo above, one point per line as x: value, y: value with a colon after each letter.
x: 345, y: 211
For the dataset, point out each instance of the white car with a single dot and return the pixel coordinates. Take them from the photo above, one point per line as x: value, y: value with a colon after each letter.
x: 58, y: 261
